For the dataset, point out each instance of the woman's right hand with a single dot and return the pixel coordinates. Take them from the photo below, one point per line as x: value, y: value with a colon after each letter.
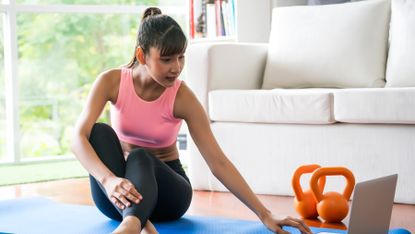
x: 276, y: 225
x: 121, y: 191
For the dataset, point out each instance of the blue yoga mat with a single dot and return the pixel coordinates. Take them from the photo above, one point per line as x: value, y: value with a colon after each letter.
x: 40, y: 215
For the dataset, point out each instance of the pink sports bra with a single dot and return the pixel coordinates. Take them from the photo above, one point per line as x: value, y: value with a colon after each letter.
x: 144, y: 123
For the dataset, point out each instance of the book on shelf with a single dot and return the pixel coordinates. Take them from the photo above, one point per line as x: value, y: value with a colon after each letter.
x: 212, y: 18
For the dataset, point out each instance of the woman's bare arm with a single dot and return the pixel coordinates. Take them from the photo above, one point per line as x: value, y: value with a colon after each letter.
x: 99, y: 95
x: 198, y: 123
x: 119, y: 190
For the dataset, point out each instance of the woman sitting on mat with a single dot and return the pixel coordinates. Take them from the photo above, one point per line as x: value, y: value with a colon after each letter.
x: 135, y: 171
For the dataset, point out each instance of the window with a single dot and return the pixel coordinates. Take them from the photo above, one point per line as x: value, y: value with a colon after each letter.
x: 59, y: 57
x: 61, y: 48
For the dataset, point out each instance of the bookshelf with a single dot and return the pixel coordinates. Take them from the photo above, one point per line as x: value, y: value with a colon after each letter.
x: 212, y: 19
x: 229, y: 20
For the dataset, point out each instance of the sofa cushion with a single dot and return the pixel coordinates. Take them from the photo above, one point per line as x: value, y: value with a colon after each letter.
x: 400, y: 69
x: 308, y: 106
x: 341, y: 45
x: 377, y: 105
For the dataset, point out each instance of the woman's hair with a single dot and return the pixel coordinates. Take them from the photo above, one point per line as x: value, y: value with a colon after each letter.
x: 159, y: 31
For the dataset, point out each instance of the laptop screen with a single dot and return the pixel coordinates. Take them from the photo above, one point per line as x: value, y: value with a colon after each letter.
x: 372, y: 205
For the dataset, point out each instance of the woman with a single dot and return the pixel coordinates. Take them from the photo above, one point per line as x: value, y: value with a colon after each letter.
x: 134, y: 166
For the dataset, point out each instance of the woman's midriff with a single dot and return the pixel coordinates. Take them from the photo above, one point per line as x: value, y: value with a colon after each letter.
x: 165, y: 154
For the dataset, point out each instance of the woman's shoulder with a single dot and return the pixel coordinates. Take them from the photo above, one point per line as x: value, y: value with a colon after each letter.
x: 183, y: 90
x: 185, y: 99
x: 112, y: 74
x: 109, y: 81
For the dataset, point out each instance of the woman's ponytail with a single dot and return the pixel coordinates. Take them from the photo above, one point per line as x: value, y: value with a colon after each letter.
x: 151, y: 11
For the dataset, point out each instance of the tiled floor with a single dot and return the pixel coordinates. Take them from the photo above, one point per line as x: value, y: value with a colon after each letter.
x: 76, y: 191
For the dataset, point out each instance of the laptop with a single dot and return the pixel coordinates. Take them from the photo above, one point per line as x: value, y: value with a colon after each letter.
x: 372, y: 206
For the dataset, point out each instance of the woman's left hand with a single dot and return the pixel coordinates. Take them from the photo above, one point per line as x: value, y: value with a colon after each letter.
x: 276, y: 225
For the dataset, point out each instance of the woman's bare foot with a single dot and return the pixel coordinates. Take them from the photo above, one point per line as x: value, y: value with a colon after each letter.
x: 129, y: 225
x: 149, y: 228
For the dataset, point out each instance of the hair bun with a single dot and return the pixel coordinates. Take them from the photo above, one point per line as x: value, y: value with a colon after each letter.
x: 151, y: 11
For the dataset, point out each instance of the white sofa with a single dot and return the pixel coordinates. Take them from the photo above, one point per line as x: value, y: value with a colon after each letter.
x: 335, y: 85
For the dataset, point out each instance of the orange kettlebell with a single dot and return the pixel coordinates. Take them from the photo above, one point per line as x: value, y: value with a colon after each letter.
x: 304, y: 201
x: 332, y: 206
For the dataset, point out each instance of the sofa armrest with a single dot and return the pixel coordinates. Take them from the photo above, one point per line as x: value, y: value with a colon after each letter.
x: 213, y: 66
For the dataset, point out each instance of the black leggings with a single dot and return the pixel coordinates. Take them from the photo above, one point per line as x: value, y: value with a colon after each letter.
x: 165, y: 188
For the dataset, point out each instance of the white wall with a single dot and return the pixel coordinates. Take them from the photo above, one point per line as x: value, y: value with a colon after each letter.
x: 253, y: 20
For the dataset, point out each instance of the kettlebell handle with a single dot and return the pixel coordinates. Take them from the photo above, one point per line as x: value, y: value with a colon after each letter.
x: 295, y: 181
x: 332, y: 171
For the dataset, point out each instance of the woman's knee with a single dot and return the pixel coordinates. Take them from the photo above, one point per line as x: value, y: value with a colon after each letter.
x: 100, y: 129
x: 140, y: 156
x: 102, y: 135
